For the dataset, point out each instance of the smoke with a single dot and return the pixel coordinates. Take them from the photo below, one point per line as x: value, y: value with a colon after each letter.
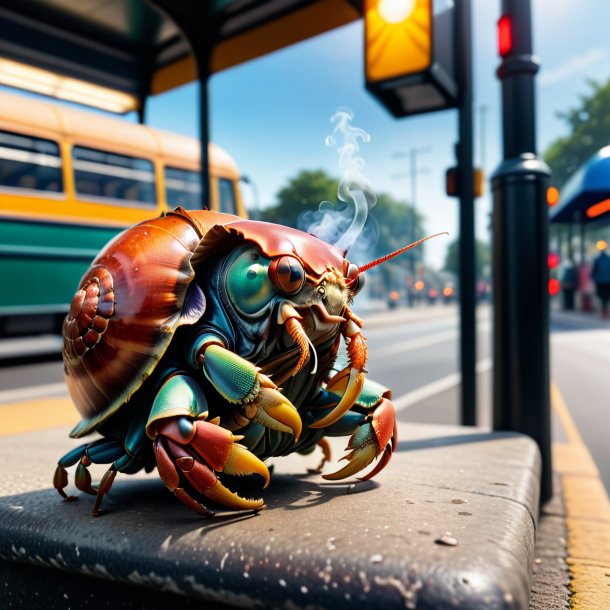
x: 341, y: 225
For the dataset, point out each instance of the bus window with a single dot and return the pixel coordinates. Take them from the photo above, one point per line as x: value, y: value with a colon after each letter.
x: 226, y: 196
x: 183, y: 188
x: 103, y: 175
x: 29, y: 163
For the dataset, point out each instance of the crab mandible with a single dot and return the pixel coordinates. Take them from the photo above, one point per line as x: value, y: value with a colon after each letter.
x: 178, y: 338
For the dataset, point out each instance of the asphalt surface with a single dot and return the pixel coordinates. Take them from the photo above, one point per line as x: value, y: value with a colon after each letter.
x: 415, y: 353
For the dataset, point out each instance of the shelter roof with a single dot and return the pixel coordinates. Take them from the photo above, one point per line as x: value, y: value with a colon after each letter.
x: 136, y: 47
x: 586, y: 191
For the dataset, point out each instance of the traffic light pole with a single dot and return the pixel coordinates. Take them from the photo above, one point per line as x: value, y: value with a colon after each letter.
x: 467, y: 253
x: 520, y: 233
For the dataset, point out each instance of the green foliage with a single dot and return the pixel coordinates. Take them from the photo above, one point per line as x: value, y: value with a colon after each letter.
x: 395, y: 220
x: 589, y: 125
x: 303, y: 192
x: 310, y: 187
x: 482, y: 253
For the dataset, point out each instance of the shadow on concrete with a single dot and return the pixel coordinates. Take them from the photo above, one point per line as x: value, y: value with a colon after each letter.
x: 451, y: 440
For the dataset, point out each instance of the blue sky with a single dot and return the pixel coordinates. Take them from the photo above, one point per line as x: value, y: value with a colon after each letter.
x: 273, y: 114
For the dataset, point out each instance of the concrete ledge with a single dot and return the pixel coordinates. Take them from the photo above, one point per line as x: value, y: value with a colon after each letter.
x: 316, y: 545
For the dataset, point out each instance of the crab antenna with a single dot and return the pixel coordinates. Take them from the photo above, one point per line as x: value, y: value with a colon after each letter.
x: 383, y: 259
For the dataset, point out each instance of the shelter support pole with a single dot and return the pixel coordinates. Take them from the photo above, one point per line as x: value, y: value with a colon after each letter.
x: 199, y: 27
x: 521, y: 400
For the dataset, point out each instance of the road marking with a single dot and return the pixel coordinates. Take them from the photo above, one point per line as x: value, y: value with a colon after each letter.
x: 30, y: 346
x: 409, y: 345
x: 587, y: 513
x: 40, y: 391
x: 436, y: 387
x: 41, y: 414
x: 562, y: 412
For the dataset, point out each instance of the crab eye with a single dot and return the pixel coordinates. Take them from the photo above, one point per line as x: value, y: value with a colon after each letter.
x: 355, y: 281
x: 247, y: 283
x: 287, y: 274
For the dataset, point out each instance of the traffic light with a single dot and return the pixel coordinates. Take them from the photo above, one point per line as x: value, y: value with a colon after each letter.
x: 409, y: 55
x: 452, y: 185
x: 553, y: 262
x: 398, y: 38
x: 552, y: 196
x: 505, y: 35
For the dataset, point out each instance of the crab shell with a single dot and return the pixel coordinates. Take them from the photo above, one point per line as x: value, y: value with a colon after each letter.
x: 135, y: 295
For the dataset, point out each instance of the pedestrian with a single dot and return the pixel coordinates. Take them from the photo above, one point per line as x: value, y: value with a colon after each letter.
x: 569, y: 284
x: 600, y: 273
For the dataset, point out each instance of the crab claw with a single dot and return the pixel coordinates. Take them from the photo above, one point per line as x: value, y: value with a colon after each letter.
x: 352, y: 391
x: 255, y: 396
x: 357, y: 354
x: 375, y: 435
x: 273, y: 410
x: 195, y: 450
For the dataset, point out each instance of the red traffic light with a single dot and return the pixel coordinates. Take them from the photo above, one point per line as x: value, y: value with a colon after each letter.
x: 553, y: 260
x: 505, y: 35
x: 554, y: 286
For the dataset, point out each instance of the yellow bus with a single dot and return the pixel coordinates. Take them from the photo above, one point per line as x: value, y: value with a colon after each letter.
x: 70, y: 180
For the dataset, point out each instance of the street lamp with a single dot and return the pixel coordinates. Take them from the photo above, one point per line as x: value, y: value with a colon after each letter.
x: 414, y: 170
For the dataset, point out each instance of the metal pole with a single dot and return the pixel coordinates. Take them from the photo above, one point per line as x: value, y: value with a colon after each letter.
x: 466, y: 215
x: 204, y: 126
x: 520, y: 221
x: 199, y: 27
x: 413, y: 171
x: 412, y: 174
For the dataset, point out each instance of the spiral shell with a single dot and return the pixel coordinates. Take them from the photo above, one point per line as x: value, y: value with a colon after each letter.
x: 126, y: 310
x: 92, y: 307
x: 134, y: 297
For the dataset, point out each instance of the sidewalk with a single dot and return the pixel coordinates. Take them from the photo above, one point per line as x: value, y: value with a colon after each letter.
x: 450, y: 523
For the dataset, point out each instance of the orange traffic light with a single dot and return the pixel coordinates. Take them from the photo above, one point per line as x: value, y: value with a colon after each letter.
x: 398, y: 38
x: 552, y: 196
x: 452, y: 185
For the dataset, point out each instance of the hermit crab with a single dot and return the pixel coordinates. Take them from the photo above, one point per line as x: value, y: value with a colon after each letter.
x: 201, y: 344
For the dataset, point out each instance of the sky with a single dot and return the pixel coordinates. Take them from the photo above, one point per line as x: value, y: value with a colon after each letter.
x: 272, y: 114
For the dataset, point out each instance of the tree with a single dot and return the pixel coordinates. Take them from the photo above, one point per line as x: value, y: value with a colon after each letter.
x: 391, y: 219
x: 482, y: 253
x: 302, y: 193
x: 589, y: 125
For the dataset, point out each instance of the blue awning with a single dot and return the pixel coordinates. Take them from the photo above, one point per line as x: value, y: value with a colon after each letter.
x: 588, y: 186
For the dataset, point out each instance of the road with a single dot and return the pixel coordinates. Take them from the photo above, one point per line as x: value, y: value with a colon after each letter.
x: 415, y: 353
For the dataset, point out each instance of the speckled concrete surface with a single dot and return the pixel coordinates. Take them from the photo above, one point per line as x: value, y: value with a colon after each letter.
x: 316, y: 545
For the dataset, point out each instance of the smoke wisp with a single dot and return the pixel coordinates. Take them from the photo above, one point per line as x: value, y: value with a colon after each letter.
x: 337, y: 224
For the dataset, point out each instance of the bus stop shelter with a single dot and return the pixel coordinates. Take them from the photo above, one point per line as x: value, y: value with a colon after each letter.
x: 586, y: 196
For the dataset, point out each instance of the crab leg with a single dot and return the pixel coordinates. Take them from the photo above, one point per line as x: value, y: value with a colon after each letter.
x: 375, y: 435
x: 357, y: 354
x: 291, y: 320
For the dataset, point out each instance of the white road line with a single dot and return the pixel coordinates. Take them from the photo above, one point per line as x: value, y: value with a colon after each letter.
x: 415, y: 343
x: 436, y: 387
x: 30, y: 346
x: 40, y: 391
x: 402, y: 402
